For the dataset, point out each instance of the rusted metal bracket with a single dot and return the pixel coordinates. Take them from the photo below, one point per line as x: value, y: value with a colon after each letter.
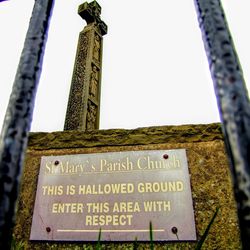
x: 14, y: 136
x: 233, y: 103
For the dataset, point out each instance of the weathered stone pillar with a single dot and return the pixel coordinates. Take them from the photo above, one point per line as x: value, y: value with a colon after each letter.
x: 84, y: 100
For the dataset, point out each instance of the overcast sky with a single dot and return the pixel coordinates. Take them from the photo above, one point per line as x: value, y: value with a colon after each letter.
x: 155, y: 71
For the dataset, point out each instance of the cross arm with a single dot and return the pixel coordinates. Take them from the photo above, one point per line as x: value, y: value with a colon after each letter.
x: 91, y: 12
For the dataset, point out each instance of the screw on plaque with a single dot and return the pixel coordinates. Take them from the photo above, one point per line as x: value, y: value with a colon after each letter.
x: 165, y: 156
x: 175, y: 231
x: 56, y: 162
x: 48, y: 229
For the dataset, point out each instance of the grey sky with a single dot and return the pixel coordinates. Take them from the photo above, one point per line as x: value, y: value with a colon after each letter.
x: 155, y: 70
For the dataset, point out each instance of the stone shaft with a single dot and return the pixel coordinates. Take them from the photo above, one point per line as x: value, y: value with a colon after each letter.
x: 84, y: 99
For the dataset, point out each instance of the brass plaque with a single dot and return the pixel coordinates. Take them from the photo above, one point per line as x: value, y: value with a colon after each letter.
x: 119, y: 193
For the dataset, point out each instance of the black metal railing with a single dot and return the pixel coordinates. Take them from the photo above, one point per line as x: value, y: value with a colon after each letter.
x: 14, y: 136
x: 233, y: 103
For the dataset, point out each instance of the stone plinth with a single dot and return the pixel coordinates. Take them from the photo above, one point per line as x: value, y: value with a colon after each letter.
x: 208, y: 167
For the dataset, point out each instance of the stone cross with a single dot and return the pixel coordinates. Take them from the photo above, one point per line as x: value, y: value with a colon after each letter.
x: 84, y: 99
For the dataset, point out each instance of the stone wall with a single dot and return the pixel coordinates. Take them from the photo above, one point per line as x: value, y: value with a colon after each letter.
x: 208, y: 167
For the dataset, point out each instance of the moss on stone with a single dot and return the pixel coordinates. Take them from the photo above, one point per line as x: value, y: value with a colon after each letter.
x: 123, y: 137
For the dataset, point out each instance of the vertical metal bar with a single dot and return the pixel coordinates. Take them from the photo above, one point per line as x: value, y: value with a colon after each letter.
x: 13, y: 140
x: 233, y: 103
